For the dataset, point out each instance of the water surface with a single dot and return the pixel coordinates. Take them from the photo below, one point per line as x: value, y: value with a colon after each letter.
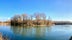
x: 57, y: 32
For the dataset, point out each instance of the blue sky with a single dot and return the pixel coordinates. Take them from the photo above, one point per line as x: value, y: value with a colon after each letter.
x: 56, y: 9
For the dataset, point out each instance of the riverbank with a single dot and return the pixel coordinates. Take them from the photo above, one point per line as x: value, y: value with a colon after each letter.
x: 3, y: 38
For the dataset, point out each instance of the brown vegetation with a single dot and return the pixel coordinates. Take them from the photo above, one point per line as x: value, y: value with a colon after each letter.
x: 2, y: 37
x: 33, y: 20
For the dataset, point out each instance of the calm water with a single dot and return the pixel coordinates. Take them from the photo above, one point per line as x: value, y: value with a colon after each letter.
x: 58, y: 32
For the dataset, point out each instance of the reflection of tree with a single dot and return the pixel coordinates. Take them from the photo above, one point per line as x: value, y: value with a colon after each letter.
x: 22, y: 30
x: 38, y: 31
x: 31, y: 31
x: 49, y: 29
x: 42, y: 31
x: 16, y: 29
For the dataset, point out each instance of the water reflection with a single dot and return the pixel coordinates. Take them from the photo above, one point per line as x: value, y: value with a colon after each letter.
x: 49, y: 33
x: 56, y: 32
x: 31, y: 31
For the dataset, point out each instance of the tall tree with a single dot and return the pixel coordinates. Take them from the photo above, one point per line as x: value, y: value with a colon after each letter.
x: 24, y: 17
x: 37, y: 16
x: 43, y: 16
x: 31, y: 17
x: 15, y: 19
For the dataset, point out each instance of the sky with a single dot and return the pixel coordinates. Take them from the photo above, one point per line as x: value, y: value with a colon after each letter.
x: 56, y: 9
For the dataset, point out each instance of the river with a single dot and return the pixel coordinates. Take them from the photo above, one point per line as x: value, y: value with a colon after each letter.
x: 57, y: 32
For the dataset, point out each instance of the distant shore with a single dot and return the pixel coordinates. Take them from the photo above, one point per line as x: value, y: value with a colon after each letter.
x: 3, y: 23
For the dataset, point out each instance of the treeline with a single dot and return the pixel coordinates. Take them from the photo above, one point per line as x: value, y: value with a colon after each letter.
x: 37, y: 19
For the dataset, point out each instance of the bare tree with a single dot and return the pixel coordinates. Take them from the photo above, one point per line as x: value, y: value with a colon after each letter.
x: 31, y: 17
x: 37, y: 16
x: 43, y: 16
x: 15, y: 19
x: 24, y: 17
x: 49, y: 20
